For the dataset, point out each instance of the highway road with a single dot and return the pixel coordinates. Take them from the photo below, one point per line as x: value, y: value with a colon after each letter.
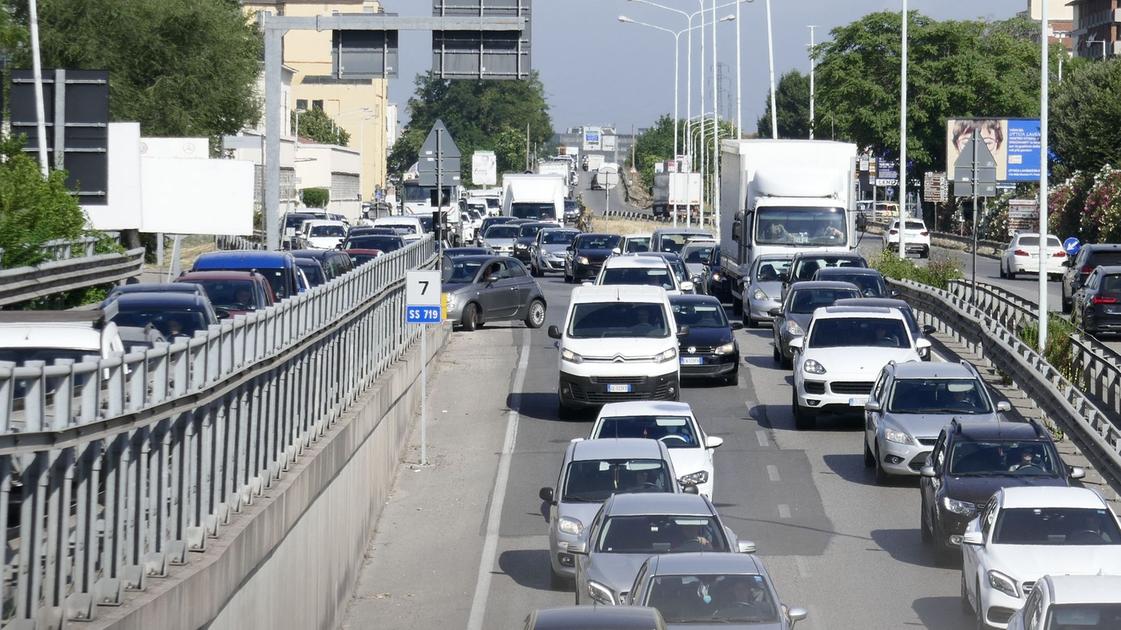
x: 597, y: 199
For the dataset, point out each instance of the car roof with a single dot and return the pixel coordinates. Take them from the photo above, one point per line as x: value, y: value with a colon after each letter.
x: 1084, y: 589
x: 599, y: 617
x: 360, y: 250
x: 635, y: 262
x: 156, y: 287
x: 636, y: 504
x: 844, y: 312
x: 616, y: 448
x: 690, y: 298
x: 318, y: 222
x: 809, y: 285
x: 1102, y: 247
x: 847, y: 271
x: 165, y: 299
x: 598, y: 234
x: 640, y: 235
x: 690, y: 231
x: 1051, y: 497
x: 707, y: 563
x: 397, y: 218
x: 932, y: 369
x: 479, y: 258
x: 638, y: 407
x: 868, y: 301
x: 1001, y: 430
x: 1110, y: 269
x: 825, y: 253
x: 553, y: 229
x: 312, y: 253
x: 192, y: 276
x: 584, y: 294
x: 246, y: 258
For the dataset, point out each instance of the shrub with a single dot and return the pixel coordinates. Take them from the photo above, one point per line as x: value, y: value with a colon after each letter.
x: 1058, y: 351
x: 937, y: 273
x: 315, y: 197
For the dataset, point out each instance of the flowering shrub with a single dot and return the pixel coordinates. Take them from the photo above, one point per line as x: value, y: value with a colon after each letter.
x: 1101, y: 219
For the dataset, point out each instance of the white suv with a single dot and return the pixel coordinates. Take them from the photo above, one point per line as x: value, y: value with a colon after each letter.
x: 916, y: 237
x: 1084, y: 602
x: 841, y: 355
x: 619, y: 343
x: 1027, y: 532
x: 641, y: 271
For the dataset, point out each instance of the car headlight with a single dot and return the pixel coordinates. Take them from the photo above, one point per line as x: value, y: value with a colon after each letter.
x: 716, y: 277
x: 897, y: 436
x: 449, y: 299
x: 727, y: 348
x: 1003, y: 583
x: 813, y: 367
x: 583, y: 260
x: 695, y: 479
x: 520, y: 246
x: 600, y: 594
x: 793, y: 328
x: 570, y: 526
x: 964, y: 508
x: 668, y: 355
x: 571, y: 356
x: 758, y: 295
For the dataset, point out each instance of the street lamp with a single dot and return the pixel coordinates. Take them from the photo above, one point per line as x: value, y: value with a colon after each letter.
x: 903, y: 141
x: 1044, y: 120
x: 813, y: 69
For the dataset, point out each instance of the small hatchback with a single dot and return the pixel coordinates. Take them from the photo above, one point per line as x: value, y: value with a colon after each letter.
x: 479, y: 289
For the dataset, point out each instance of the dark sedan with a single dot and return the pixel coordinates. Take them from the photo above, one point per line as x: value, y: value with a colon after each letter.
x: 527, y: 236
x: 1097, y: 305
x: 480, y: 289
x: 708, y: 349
x: 235, y: 292
x: 313, y: 271
x: 1090, y: 257
x: 585, y: 256
x: 334, y: 262
x: 383, y: 242
x: 173, y: 314
x: 869, y: 281
x: 456, y: 252
x: 806, y: 264
x: 487, y: 222
x: 362, y: 256
x: 793, y: 317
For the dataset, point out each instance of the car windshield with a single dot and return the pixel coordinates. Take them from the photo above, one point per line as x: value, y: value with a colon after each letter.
x: 400, y: 228
x: 1084, y: 617
x: 801, y: 226
x: 771, y: 269
x: 236, y: 295
x: 416, y: 193
x: 382, y: 242
x: 533, y: 210
x: 170, y: 323
x: 870, y: 285
x: 458, y: 270
x: 595, y: 480
x: 673, y: 431
x: 1110, y: 286
x: 492, y: 221
x: 529, y: 230
x: 655, y: 277
x: 313, y: 271
x: 425, y: 223
x: 1056, y: 526
x: 712, y: 599
x: 674, y: 242
x: 986, y: 458
x: 651, y: 534
x: 296, y: 220
x: 1105, y: 257
x: 361, y: 259
x: 699, y: 315
x: 328, y: 230
x: 938, y: 396
x: 607, y: 320
x: 807, y: 266
x: 806, y: 301
x: 638, y: 244
x: 597, y: 241
x: 558, y: 238
x: 1033, y: 241
x: 501, y: 231
x: 679, y: 268
x: 844, y: 332
x: 697, y: 253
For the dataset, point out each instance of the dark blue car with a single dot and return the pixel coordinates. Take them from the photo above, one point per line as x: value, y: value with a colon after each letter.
x: 279, y: 268
x: 173, y: 314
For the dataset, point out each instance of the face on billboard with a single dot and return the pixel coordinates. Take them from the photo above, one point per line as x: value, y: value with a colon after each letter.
x: 992, y: 132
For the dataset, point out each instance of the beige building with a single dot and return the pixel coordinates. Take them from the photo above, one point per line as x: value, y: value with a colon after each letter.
x: 358, y: 106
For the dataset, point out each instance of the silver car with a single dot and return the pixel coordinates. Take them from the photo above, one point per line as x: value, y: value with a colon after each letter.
x: 479, y: 289
x: 909, y: 406
x: 764, y: 289
x: 546, y: 254
x: 725, y: 590
x: 592, y: 470
x: 501, y: 238
x: 630, y: 528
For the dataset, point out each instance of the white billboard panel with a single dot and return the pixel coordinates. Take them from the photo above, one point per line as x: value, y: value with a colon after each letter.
x: 122, y: 210
x: 684, y: 189
x: 484, y: 168
x: 192, y: 196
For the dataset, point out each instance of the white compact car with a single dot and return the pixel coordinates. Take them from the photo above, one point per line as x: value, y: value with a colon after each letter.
x: 322, y: 234
x: 408, y: 227
x: 841, y: 355
x: 1025, y: 533
x: 642, y: 270
x: 673, y: 424
x: 916, y: 237
x: 1022, y: 256
x: 1060, y: 602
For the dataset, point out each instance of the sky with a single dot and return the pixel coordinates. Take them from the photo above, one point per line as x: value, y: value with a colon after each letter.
x: 598, y: 71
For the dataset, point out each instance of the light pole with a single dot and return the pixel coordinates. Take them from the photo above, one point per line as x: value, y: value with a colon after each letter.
x: 676, y: 58
x: 1045, y: 85
x: 771, y: 61
x: 813, y: 69
x: 37, y: 74
x: 739, y: 73
x: 903, y: 141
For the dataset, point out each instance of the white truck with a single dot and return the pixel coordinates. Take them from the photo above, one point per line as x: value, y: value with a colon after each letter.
x: 534, y: 197
x: 594, y: 161
x: 781, y: 197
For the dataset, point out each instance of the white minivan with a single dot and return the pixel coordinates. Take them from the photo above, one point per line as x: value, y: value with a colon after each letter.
x: 618, y: 343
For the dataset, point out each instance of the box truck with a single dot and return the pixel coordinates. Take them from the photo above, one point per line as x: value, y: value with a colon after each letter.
x: 534, y: 197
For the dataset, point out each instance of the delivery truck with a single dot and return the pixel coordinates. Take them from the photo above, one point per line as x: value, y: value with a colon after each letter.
x: 534, y: 196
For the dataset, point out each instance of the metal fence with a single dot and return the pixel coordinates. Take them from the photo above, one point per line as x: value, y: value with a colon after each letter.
x: 238, y: 242
x: 70, y: 265
x: 125, y: 465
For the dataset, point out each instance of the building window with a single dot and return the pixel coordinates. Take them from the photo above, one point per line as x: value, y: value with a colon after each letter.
x: 317, y: 104
x: 301, y: 104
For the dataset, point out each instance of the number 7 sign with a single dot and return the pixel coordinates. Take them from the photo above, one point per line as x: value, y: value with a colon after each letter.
x: 422, y: 288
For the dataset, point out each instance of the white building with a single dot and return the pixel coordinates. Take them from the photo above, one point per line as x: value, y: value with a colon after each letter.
x: 338, y: 169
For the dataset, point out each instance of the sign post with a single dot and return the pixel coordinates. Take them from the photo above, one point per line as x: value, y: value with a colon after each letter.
x: 975, y: 176
x: 424, y: 307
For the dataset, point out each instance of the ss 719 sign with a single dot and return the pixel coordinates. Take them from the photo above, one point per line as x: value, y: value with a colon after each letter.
x: 423, y: 296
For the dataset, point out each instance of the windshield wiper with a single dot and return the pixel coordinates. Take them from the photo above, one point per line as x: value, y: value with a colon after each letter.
x: 576, y: 498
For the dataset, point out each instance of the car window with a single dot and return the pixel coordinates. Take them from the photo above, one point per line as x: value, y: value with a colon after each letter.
x: 938, y: 396
x: 657, y: 277
x: 638, y: 244
x: 713, y: 599
x: 673, y: 431
x: 501, y: 231
x: 607, y: 320
x: 558, y: 238
x: 170, y: 323
x: 652, y: 534
x: 597, y: 241
x: 988, y: 518
x: 699, y: 315
x: 1028, y: 240
x: 988, y: 457
x: 235, y: 295
x: 514, y: 269
x: 458, y: 270
x: 939, y: 456
x: 1084, y: 617
x: 697, y: 253
x: 1110, y: 286
x: 770, y: 270
x: 596, y: 480
x: 806, y: 301
x: 1108, y: 257
x: 870, y: 285
x: 328, y: 230
x: 1033, y: 610
x: 1056, y: 526
x: 843, y: 332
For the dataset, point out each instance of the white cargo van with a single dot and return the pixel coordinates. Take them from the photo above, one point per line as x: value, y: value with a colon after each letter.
x: 534, y: 197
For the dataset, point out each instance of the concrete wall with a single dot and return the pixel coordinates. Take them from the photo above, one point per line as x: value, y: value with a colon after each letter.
x: 291, y: 560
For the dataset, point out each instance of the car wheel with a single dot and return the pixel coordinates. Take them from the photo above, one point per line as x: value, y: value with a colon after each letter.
x: 804, y: 419
x: 880, y: 474
x: 787, y: 362
x: 1001, y: 273
x: 748, y: 320
x: 470, y: 317
x: 558, y: 582
x: 869, y: 458
x: 1068, y: 305
x: 567, y: 278
x: 1011, y: 275
x: 733, y: 378
x: 534, y: 271
x: 565, y: 412
x: 536, y: 316
x: 737, y: 307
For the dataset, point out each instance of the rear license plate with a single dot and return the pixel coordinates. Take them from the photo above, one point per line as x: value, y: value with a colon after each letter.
x: 857, y: 402
x: 692, y: 360
x: 619, y: 389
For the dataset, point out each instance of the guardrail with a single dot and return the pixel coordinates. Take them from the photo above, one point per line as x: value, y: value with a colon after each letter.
x: 126, y: 464
x: 74, y: 266
x: 237, y: 242
x: 644, y: 216
x: 949, y: 240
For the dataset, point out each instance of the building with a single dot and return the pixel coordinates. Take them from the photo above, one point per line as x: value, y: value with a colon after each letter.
x: 335, y: 168
x: 358, y: 106
x: 1060, y: 14
x: 1096, y: 24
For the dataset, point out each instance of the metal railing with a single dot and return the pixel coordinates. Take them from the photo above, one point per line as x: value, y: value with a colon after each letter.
x: 238, y: 242
x: 948, y: 239
x: 125, y: 465
x: 71, y: 265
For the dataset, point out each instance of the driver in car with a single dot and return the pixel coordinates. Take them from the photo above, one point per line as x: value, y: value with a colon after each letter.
x: 244, y: 297
x: 694, y: 536
x: 1025, y: 460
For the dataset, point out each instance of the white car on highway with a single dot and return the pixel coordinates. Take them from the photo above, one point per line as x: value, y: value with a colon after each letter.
x: 673, y: 424
x: 1027, y: 532
x: 1022, y: 256
x: 642, y: 270
x: 916, y: 237
x: 322, y: 234
x: 1062, y: 602
x: 841, y: 355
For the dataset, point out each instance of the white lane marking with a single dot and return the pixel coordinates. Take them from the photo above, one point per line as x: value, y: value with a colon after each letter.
x: 772, y: 472
x: 783, y: 510
x: 498, y: 497
x: 761, y: 435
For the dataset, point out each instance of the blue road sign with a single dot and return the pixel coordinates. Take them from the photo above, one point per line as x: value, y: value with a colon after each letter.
x: 422, y: 314
x: 1072, y: 245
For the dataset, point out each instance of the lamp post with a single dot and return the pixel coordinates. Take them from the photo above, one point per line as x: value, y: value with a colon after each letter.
x: 37, y: 74
x: 676, y: 58
x: 903, y: 141
x: 813, y: 69
x: 771, y: 61
x: 1044, y: 120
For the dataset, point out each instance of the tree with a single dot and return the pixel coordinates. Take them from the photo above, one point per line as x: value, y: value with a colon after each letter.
x: 792, y: 97
x: 318, y: 126
x: 33, y: 210
x: 315, y: 197
x: 179, y: 67
x: 480, y: 115
x: 1084, y: 114
x: 652, y: 146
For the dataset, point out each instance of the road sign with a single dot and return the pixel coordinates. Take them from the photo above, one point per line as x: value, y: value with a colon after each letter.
x: 423, y: 298
x: 1072, y: 245
x: 451, y: 160
x: 363, y: 54
x: 935, y: 188
x: 481, y: 54
x: 985, y: 169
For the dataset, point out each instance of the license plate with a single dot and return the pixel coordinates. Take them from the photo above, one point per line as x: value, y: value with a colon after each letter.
x: 857, y: 402
x: 692, y: 360
x: 619, y: 389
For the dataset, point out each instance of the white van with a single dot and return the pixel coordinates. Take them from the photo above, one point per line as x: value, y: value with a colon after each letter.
x: 618, y: 343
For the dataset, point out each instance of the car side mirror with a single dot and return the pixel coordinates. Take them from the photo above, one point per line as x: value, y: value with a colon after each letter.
x: 690, y: 488
x: 1077, y: 473
x: 683, y: 331
x: 894, y: 293
x: 775, y: 312
x: 795, y: 615
x: 687, y: 286
x: 873, y: 405
x: 546, y: 494
x: 1068, y: 263
x: 713, y: 441
x: 737, y: 325
x: 616, y: 251
x: 922, y: 344
x: 797, y: 343
x: 554, y: 332
x: 928, y: 330
x: 1004, y: 405
x: 973, y: 538
x: 578, y: 548
x: 221, y: 313
x: 745, y: 546
x: 492, y: 279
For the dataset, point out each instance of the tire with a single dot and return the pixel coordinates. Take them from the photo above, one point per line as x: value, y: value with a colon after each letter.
x: 470, y: 317
x: 882, y: 478
x: 869, y: 458
x: 733, y: 378
x: 1011, y: 275
x: 737, y: 307
x: 535, y: 272
x: 787, y: 363
x: 1002, y: 274
x: 1068, y: 305
x: 558, y: 582
x: 564, y: 412
x: 535, y: 318
x: 567, y: 278
x: 804, y: 419
x: 748, y: 321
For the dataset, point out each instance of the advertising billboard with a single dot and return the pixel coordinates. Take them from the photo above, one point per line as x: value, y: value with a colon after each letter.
x: 1014, y: 143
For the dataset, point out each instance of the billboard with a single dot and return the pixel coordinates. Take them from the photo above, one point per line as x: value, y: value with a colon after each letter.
x: 484, y: 168
x: 684, y: 189
x: 1014, y: 143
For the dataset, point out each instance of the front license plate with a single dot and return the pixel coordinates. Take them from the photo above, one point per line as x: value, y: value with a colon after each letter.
x: 619, y: 389
x: 692, y: 360
x: 857, y: 402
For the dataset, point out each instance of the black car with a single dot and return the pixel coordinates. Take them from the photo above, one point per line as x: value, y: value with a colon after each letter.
x: 334, y: 262
x: 455, y: 252
x: 1079, y: 268
x: 1097, y: 305
x: 673, y: 259
x: 571, y: 211
x: 383, y: 242
x: 806, y: 264
x: 313, y: 271
x: 366, y: 230
x: 597, y: 617
x: 708, y: 349
x: 585, y: 256
x: 869, y: 281
x: 971, y: 461
x: 172, y: 314
x: 527, y: 235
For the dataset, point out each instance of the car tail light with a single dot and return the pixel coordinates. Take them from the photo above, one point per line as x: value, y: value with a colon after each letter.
x: 1059, y: 254
x: 924, y: 233
x: 893, y: 231
x: 1087, y: 269
x: 1020, y: 252
x: 1103, y: 299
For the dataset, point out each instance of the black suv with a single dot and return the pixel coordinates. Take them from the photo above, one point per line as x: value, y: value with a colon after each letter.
x: 971, y: 461
x: 1079, y: 268
x: 806, y: 264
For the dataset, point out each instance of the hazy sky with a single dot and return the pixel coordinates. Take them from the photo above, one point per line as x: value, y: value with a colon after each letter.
x: 597, y: 70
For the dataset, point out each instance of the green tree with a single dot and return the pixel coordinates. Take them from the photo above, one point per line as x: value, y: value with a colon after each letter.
x: 480, y: 115
x: 33, y: 210
x: 1084, y: 114
x: 652, y: 146
x: 179, y: 67
x: 315, y: 197
x: 318, y: 126
x: 792, y: 97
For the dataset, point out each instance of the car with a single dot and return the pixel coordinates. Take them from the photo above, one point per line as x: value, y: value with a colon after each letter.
x: 1025, y: 533
x: 1078, y: 269
x: 699, y: 257
x: 916, y: 237
x: 322, y: 234
x: 725, y: 590
x: 235, y: 292
x: 909, y: 405
x: 673, y: 424
x: 360, y: 256
x: 292, y: 223
x: 366, y: 230
x: 1097, y: 305
x: 590, y: 472
x: 805, y: 265
x: 313, y: 271
x: 708, y: 345
x: 1071, y: 602
x: 152, y: 287
x: 48, y: 336
x: 630, y: 528
x: 500, y: 238
x: 334, y: 262
x: 410, y: 228
x: 456, y: 252
x: 384, y: 243
x: 1022, y: 256
x: 175, y: 315
x: 841, y: 355
x: 917, y: 331
x: 641, y: 270
x: 485, y: 225
x: 585, y: 256
x: 595, y: 617
x: 869, y: 281
x: 527, y: 236
x: 140, y: 338
x: 571, y: 211
x: 790, y: 321
x: 636, y: 243
x: 279, y: 268
x: 971, y: 461
x: 763, y: 292
x: 481, y: 289
x: 547, y: 251
x: 685, y: 281
x: 618, y: 343
x: 673, y: 240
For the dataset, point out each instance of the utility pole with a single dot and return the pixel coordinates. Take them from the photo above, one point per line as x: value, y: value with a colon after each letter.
x: 739, y: 73
x: 813, y: 69
x: 903, y: 142
x: 37, y: 72
x: 527, y: 146
x: 771, y: 59
x: 1045, y: 84
x: 715, y: 131
x: 973, y: 291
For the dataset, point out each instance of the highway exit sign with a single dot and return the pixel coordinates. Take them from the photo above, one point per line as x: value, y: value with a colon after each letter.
x: 423, y: 298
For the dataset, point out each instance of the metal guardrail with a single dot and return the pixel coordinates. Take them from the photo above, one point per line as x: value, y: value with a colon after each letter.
x: 68, y: 271
x: 126, y: 464
x: 947, y: 239
x: 643, y: 216
x: 237, y: 242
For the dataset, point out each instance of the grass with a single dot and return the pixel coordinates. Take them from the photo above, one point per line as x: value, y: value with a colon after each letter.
x: 623, y: 226
x: 937, y: 273
x: 1059, y: 351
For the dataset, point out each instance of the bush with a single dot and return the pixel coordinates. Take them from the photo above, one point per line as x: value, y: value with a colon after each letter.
x: 33, y: 210
x: 937, y: 273
x: 1058, y: 351
x: 315, y: 197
